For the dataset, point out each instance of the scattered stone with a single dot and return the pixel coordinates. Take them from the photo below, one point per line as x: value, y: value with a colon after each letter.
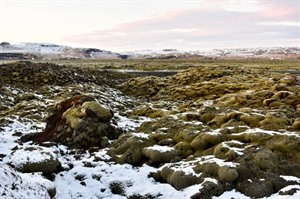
x: 117, y: 187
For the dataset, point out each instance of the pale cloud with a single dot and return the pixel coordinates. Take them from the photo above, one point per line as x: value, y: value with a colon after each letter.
x: 128, y: 25
x: 282, y: 10
x: 229, y: 23
x: 281, y: 23
x: 241, y: 6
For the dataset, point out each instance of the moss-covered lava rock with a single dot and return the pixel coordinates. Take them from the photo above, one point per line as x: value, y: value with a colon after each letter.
x: 79, y: 122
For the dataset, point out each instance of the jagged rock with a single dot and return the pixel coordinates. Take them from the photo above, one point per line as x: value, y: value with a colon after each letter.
x: 79, y: 122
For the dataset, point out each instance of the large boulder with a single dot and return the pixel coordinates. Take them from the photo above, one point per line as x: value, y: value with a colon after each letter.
x: 35, y: 159
x: 78, y: 122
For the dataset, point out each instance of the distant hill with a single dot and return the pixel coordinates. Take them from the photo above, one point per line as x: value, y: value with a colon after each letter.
x: 235, y: 53
x: 45, y: 51
x: 52, y: 51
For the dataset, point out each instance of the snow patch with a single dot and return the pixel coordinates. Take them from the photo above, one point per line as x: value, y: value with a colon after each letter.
x: 160, y: 148
x: 290, y: 178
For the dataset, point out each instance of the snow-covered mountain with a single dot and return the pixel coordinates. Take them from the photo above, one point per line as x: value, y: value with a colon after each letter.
x: 234, y: 53
x: 53, y: 51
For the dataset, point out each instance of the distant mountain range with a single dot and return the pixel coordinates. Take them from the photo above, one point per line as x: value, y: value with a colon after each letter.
x: 45, y: 51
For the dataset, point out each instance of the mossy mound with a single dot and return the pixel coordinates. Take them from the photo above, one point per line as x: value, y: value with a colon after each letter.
x: 79, y: 122
x: 194, y: 83
x: 160, y: 154
x: 128, y: 148
x: 35, y: 159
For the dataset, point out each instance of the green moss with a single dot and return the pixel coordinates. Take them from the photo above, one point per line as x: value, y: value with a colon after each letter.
x: 102, y: 113
x: 73, y: 117
x: 252, y: 120
x: 273, y: 122
x: 184, y: 148
x: 227, y: 174
x: 296, y: 124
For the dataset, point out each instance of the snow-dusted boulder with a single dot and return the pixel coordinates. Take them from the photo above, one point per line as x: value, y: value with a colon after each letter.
x: 161, y: 154
x: 35, y: 159
x: 16, y: 186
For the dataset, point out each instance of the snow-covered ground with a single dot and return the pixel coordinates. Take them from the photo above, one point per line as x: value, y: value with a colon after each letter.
x: 90, y: 174
x: 86, y: 175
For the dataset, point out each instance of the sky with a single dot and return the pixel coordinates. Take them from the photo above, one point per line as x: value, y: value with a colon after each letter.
x: 123, y: 25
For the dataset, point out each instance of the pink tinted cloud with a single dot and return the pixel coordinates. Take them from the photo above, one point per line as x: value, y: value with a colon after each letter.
x: 282, y: 10
x: 201, y: 25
